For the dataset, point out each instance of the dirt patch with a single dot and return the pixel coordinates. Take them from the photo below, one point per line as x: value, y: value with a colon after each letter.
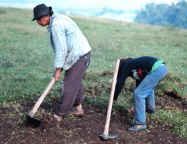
x: 85, y: 130
x: 171, y: 101
x: 74, y: 130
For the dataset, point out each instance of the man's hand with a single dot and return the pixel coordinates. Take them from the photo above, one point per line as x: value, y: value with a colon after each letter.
x: 57, y: 73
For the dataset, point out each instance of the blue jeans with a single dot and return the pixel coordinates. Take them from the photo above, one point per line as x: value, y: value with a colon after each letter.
x: 144, y: 96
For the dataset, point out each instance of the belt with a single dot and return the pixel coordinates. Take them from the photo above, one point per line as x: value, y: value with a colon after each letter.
x: 86, y: 54
x: 157, y: 64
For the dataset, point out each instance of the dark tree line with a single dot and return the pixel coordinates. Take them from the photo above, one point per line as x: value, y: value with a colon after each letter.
x: 163, y: 14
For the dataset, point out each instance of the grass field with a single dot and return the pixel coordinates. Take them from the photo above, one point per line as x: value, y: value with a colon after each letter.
x: 26, y: 58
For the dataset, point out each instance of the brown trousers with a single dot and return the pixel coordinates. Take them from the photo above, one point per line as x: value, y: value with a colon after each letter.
x: 72, y: 90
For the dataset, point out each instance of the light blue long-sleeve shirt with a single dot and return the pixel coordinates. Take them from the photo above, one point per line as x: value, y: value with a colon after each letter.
x: 67, y: 40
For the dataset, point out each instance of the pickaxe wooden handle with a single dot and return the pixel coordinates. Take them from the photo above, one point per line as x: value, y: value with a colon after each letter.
x: 107, y: 123
x: 41, y: 98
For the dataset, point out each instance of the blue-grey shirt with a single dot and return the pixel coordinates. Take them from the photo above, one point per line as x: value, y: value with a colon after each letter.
x: 67, y: 40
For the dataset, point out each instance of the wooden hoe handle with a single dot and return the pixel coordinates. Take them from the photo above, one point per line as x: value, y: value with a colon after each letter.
x: 41, y: 98
x: 107, y: 123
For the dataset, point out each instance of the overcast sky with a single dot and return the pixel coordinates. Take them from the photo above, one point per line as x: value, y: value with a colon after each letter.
x: 116, y: 4
x: 129, y: 7
x: 84, y: 4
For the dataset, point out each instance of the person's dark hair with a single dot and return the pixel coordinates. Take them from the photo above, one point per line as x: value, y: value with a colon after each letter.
x: 126, y: 60
x: 50, y: 11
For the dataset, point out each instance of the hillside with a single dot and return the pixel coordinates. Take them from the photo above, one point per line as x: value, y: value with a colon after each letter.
x: 26, y: 67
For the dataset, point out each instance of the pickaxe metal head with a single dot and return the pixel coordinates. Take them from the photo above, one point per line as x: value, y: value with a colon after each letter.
x: 105, y: 137
x: 32, y: 122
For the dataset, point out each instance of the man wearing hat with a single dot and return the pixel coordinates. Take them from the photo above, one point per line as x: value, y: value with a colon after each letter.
x: 71, y: 54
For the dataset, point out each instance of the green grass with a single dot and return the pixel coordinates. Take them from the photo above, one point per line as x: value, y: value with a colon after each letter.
x: 26, y: 58
x: 176, y: 119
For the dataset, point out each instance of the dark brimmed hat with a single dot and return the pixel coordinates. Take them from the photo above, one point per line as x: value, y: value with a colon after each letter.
x: 40, y: 11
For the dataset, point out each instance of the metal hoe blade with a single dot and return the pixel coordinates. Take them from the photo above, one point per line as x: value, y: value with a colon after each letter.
x: 32, y: 122
x: 108, y: 137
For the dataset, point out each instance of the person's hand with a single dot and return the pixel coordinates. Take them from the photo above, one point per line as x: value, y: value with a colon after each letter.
x: 57, y: 74
x: 131, y: 110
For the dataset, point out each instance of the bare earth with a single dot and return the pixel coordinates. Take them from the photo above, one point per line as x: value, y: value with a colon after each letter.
x: 85, y: 130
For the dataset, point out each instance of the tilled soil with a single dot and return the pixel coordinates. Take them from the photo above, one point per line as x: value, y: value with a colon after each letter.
x: 85, y: 130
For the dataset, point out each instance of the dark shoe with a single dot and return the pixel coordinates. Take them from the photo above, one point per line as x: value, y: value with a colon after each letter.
x: 137, y: 127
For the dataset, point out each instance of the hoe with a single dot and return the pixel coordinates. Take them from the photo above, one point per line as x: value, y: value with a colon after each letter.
x: 106, y: 136
x: 30, y: 120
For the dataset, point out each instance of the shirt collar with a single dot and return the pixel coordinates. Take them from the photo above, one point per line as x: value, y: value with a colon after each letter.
x: 50, y: 23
